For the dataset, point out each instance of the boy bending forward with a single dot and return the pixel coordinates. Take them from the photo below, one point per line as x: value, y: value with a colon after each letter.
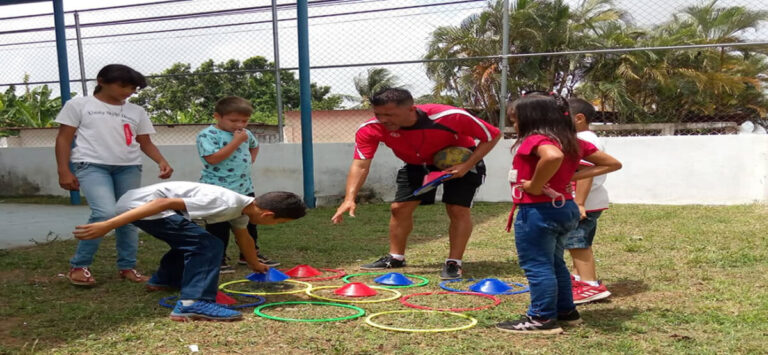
x: 166, y: 211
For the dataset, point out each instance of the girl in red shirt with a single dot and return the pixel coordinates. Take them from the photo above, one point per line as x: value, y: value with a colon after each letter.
x: 547, y: 154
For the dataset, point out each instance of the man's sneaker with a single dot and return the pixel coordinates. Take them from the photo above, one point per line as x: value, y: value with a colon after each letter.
x: 571, y: 318
x: 529, y: 325
x: 225, y: 268
x: 385, y: 262
x: 584, y: 293
x: 451, y: 270
x: 204, y: 310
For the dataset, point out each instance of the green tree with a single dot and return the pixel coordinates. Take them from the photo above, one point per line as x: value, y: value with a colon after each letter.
x: 671, y: 85
x: 535, y: 26
x: 35, y: 108
x: 181, y: 94
x: 370, y: 82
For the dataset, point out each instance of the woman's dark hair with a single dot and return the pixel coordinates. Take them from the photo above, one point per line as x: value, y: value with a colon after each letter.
x: 284, y: 204
x: 118, y: 73
x: 546, y: 114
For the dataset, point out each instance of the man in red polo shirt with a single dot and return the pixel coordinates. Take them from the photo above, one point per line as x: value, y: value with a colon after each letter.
x: 415, y: 133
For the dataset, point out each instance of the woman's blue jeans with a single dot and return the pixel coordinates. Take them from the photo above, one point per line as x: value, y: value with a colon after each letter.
x: 540, y: 231
x: 102, y: 186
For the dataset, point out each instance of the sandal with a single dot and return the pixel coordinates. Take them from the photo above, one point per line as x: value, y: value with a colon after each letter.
x: 81, y: 276
x: 133, y: 275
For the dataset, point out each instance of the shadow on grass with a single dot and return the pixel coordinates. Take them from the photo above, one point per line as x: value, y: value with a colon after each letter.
x: 41, y: 309
x: 610, y: 320
x: 625, y: 288
x: 508, y: 271
x: 315, y: 240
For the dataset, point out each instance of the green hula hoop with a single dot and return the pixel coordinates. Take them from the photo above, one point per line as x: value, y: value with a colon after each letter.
x: 223, y: 287
x: 423, y: 282
x: 370, y: 322
x: 395, y: 295
x: 360, y: 311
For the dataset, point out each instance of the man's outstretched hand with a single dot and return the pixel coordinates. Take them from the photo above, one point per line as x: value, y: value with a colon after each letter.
x: 346, y: 206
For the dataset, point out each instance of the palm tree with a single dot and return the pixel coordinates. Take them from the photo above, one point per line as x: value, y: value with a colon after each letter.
x: 370, y: 82
x: 535, y: 26
x: 670, y: 85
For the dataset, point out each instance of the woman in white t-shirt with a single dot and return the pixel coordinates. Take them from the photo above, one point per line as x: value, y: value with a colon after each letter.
x: 109, y: 134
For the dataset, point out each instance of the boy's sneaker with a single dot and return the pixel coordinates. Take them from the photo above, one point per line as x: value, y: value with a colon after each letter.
x: 225, y: 268
x: 267, y: 261
x: 530, y: 325
x: 262, y: 259
x: 385, y: 262
x: 571, y: 318
x: 451, y: 270
x: 153, y: 287
x: 584, y: 293
x: 204, y: 310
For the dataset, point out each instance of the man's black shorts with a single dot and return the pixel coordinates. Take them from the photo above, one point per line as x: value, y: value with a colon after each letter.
x: 460, y: 191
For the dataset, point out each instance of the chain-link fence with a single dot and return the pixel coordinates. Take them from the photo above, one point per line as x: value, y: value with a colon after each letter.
x: 675, y: 67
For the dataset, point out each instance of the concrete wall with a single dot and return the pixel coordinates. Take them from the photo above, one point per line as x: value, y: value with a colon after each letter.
x: 335, y: 126
x: 657, y: 170
x: 165, y: 135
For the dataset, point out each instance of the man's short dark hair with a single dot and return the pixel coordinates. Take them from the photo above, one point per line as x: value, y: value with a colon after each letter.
x: 584, y: 107
x: 284, y: 204
x: 396, y: 95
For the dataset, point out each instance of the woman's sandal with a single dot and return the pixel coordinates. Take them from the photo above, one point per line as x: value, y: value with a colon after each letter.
x: 133, y: 275
x: 81, y: 276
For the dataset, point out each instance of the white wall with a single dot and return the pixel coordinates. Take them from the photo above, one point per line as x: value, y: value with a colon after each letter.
x: 729, y: 169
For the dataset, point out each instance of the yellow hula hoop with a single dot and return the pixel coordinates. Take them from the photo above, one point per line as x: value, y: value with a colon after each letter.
x: 395, y: 295
x: 223, y: 287
x: 472, y: 323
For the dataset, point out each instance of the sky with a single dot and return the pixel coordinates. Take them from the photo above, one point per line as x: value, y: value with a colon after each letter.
x: 395, y: 35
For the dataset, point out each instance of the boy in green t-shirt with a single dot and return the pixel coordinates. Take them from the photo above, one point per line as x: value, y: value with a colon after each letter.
x: 227, y: 150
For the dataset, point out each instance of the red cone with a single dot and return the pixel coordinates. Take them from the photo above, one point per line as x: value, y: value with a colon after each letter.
x: 355, y: 289
x: 303, y: 271
x: 223, y: 298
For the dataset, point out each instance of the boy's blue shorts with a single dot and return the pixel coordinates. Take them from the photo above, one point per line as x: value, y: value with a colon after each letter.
x: 582, y: 236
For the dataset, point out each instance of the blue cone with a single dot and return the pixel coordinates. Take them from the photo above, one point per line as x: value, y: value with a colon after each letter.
x: 490, y: 287
x: 273, y: 275
x: 393, y: 279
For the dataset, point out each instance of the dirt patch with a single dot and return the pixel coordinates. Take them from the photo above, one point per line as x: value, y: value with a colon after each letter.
x: 7, y: 325
x: 10, y: 275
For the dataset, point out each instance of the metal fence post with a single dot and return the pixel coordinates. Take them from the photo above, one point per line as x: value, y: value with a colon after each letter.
x: 504, y: 68
x: 278, y: 84
x: 80, y: 58
x: 61, y: 51
x: 306, y: 104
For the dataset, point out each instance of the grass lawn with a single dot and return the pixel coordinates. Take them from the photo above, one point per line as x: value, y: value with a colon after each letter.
x: 685, y: 279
